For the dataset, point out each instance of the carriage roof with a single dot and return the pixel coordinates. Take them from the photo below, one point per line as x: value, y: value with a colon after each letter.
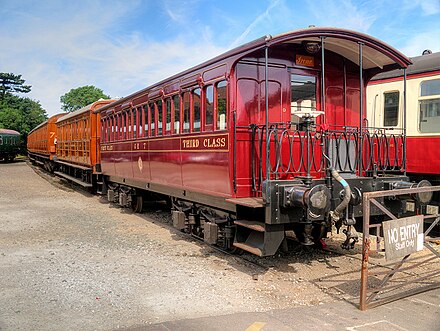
x: 9, y: 132
x: 421, y: 64
x: 376, y: 55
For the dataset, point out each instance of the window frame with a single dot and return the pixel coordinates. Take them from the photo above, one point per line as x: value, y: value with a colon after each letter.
x: 186, y: 111
x: 159, y: 117
x: 426, y: 99
x: 193, y: 110
x: 168, y: 115
x: 153, y: 118
x: 216, y: 99
x: 145, y: 110
x: 208, y: 127
x: 385, y: 108
x: 175, y: 112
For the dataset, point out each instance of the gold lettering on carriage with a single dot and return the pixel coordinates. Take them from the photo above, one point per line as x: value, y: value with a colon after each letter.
x: 190, y: 143
x: 304, y: 60
x: 214, y: 142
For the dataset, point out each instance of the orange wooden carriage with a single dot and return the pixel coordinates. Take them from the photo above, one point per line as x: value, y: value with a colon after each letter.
x: 78, y: 155
x: 41, y: 143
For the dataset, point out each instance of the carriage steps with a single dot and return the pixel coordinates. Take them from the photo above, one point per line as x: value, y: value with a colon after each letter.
x: 258, y: 238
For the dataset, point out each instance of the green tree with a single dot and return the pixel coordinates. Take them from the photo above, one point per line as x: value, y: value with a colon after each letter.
x: 10, y: 83
x: 20, y: 114
x: 80, y: 97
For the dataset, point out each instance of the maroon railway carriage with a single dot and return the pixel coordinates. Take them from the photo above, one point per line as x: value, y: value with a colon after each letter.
x: 200, y: 137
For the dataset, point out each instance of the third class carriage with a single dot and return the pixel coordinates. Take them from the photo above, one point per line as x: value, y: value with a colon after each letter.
x: 266, y: 139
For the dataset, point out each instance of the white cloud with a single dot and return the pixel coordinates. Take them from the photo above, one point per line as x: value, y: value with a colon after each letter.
x: 60, y: 45
x: 58, y: 51
x: 257, y: 21
x: 428, y: 7
x: 358, y: 16
x: 415, y: 45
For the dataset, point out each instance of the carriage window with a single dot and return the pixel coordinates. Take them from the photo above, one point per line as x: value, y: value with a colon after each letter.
x: 124, y: 124
x: 390, y: 108
x: 159, y: 117
x: 133, y: 111
x: 176, y: 101
x: 109, y: 129
x: 429, y: 106
x: 209, y: 107
x: 221, y: 105
x: 121, y: 126
x: 153, y: 119
x: 145, y: 116
x: 196, y: 109
x: 118, y: 127
x: 112, y: 130
x: 129, y: 120
x: 302, y: 96
x: 107, y: 136
x: 186, y: 111
x: 168, y: 115
x: 140, y: 125
x: 102, y: 132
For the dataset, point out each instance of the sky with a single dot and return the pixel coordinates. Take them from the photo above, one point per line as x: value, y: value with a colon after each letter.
x: 124, y: 46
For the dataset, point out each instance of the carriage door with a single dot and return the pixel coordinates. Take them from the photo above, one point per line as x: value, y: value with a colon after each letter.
x: 303, y: 102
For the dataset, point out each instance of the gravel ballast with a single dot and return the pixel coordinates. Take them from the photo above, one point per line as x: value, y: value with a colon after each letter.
x: 70, y: 260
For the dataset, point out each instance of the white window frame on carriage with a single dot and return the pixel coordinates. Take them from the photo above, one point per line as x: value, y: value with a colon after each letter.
x: 429, y: 98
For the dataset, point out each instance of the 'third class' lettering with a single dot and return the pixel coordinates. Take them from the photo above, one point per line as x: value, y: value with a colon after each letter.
x: 219, y: 142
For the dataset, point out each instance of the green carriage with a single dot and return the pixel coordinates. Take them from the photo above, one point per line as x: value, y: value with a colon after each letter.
x: 9, y: 144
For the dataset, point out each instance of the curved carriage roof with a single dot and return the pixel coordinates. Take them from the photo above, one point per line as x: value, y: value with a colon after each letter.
x: 421, y: 64
x: 85, y: 109
x: 376, y: 55
x: 51, y: 119
x: 11, y: 132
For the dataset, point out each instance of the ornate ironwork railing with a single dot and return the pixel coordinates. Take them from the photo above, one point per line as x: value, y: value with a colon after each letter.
x: 308, y: 153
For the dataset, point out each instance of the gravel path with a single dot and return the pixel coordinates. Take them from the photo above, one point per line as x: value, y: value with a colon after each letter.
x: 70, y: 260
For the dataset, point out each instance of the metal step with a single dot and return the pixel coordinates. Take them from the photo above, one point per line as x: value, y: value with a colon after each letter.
x: 74, y: 165
x: 254, y: 225
x: 73, y: 179
x: 247, y: 202
x: 258, y: 238
x: 248, y: 248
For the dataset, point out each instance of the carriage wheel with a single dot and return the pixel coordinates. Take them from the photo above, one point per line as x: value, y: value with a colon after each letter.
x: 137, y: 203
